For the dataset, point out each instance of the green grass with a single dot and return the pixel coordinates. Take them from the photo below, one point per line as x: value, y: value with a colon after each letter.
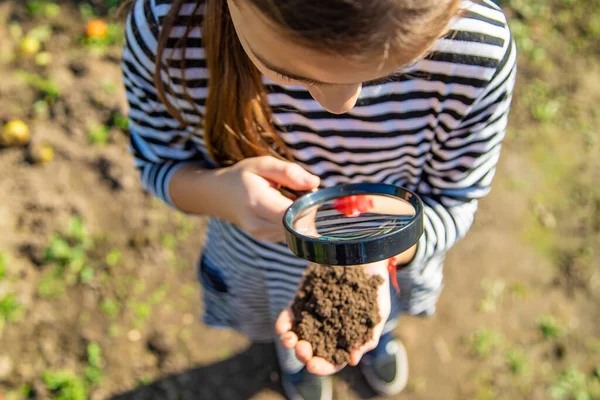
x: 110, y: 308
x: 67, y: 256
x: 114, y: 257
x: 3, y: 262
x: 110, y: 87
x: 10, y: 308
x: 42, y: 8
x: 120, y: 121
x: 573, y: 384
x: 48, y: 88
x: 51, y: 285
x: 483, y: 342
x: 65, y: 385
x: 145, y: 379
x: 93, y: 371
x: 550, y: 327
x: 142, y: 311
x: 169, y: 241
x: 77, y: 230
x: 98, y: 134
x: 517, y: 361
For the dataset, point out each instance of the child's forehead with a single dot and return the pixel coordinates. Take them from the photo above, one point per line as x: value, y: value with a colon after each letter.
x: 278, y: 51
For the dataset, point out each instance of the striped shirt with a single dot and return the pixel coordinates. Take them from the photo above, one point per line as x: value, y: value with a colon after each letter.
x: 437, y: 129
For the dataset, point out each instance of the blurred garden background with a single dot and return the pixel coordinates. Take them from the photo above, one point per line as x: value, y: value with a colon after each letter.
x: 98, y: 296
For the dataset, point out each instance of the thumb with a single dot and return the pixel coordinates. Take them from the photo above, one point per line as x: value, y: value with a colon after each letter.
x: 285, y: 173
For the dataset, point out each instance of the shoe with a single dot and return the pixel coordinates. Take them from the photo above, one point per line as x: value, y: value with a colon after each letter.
x: 385, y: 368
x: 305, y: 386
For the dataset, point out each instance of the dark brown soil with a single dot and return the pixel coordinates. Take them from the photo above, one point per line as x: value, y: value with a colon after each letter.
x: 336, y: 310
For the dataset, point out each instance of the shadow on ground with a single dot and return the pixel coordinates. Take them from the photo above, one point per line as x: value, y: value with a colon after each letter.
x: 237, y: 378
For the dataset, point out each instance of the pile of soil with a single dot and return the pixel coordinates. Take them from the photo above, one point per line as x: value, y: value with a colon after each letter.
x: 335, y: 310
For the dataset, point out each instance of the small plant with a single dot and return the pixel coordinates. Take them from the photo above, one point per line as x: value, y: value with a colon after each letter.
x: 110, y: 87
x: 169, y: 241
x: 572, y: 385
x: 142, y: 311
x: 86, y: 11
x: 121, y: 121
x: 2, y: 266
x: 549, y: 327
x: 76, y: 230
x: 114, y: 257
x: 42, y: 154
x: 483, y: 341
x: 43, y: 8
x: 51, y: 285
x: 98, y: 134
x: 516, y: 359
x: 65, y: 385
x: 93, y: 371
x: 48, y: 89
x: 10, y: 308
x: 110, y: 308
x: 68, y: 254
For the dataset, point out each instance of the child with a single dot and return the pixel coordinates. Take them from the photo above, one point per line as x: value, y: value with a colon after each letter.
x: 231, y: 99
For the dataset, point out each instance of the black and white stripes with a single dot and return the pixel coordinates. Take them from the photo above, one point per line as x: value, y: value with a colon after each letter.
x: 437, y: 129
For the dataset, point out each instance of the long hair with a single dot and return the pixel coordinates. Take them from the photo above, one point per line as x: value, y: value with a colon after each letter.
x: 237, y: 122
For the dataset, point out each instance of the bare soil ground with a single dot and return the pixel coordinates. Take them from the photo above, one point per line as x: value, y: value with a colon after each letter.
x: 98, y: 296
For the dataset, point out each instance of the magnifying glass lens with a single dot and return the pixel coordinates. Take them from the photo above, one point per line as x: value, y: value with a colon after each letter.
x: 354, y: 224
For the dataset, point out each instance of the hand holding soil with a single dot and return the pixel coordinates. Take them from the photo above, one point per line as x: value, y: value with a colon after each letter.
x: 337, y: 315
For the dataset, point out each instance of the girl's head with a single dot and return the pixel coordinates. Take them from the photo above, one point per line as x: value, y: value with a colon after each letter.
x: 332, y: 48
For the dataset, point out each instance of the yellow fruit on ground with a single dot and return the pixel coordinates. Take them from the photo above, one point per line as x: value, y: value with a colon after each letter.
x: 30, y: 46
x: 15, y: 133
x: 96, y: 29
x: 45, y: 154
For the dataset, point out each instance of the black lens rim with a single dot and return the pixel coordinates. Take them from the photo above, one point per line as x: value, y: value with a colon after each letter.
x: 360, y: 251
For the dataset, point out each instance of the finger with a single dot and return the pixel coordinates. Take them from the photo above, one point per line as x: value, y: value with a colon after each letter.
x: 289, y: 340
x: 272, y: 206
x: 357, y: 354
x: 267, y: 231
x: 320, y: 366
x: 284, y: 322
x: 285, y: 173
x: 304, y: 351
x: 274, y: 236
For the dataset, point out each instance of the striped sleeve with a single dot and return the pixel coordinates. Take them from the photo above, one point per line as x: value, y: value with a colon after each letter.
x: 463, y: 162
x: 158, y: 143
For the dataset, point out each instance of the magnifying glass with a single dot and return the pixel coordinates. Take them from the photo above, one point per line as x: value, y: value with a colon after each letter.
x: 353, y: 224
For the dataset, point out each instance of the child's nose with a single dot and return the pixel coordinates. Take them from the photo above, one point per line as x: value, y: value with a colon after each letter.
x: 336, y: 99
